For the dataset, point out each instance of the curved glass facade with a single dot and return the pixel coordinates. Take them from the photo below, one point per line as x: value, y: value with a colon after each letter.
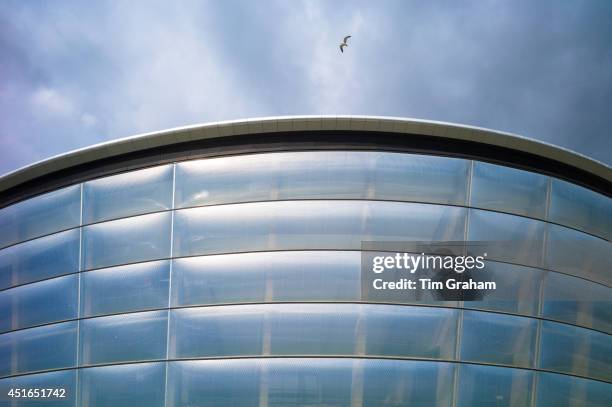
x: 236, y: 281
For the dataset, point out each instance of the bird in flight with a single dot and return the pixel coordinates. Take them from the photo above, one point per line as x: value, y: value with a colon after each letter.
x: 344, y: 43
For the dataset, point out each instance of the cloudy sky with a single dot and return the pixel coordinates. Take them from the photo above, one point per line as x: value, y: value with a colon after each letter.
x: 75, y: 73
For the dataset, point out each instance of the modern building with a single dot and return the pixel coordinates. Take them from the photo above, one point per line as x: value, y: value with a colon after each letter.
x: 219, y: 265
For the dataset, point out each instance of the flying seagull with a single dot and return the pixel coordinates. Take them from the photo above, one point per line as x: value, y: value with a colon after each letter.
x: 344, y: 44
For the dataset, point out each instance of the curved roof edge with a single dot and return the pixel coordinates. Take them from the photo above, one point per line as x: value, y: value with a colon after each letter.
x: 303, y: 123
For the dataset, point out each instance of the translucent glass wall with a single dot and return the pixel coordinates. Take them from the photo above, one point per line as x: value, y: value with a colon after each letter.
x: 235, y: 281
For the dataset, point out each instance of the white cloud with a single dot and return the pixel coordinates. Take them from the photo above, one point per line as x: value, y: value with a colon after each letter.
x: 47, y: 102
x: 51, y: 101
x: 171, y: 73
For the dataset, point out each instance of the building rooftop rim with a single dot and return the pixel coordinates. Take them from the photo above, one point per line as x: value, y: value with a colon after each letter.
x: 304, y: 123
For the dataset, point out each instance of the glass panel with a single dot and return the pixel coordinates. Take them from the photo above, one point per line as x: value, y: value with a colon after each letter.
x: 42, y: 348
x: 222, y: 331
x: 577, y: 253
x: 313, y: 329
x: 579, y: 351
x: 65, y: 380
x: 497, y: 338
x: 259, y: 277
x: 406, y: 383
x: 39, y: 303
x: 310, y: 225
x: 581, y: 208
x: 507, y: 237
x: 293, y: 383
x: 271, y: 382
x: 493, y: 386
x: 139, y: 238
x: 321, y: 175
x: 127, y: 194
x: 125, y: 288
x: 218, y: 383
x: 137, y: 385
x: 309, y: 382
x: 41, y: 215
x: 421, y: 178
x: 40, y: 259
x: 390, y: 331
x: 288, y: 329
x: 127, y: 337
x: 566, y: 391
x: 518, y: 288
x: 578, y: 301
x: 509, y: 190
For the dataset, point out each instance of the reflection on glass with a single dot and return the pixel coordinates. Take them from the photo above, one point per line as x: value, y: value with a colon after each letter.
x: 405, y: 383
x: 266, y: 277
x: 518, y: 288
x: 41, y: 215
x: 507, y: 237
x: 224, y: 331
x: 39, y: 303
x: 577, y: 253
x: 321, y: 175
x: 281, y: 382
x: 309, y: 382
x: 410, y: 331
x: 127, y: 194
x: 137, y: 385
x: 493, y: 386
x: 41, y: 348
x: 126, y: 337
x: 313, y: 329
x: 219, y: 383
x: 41, y: 258
x: 581, y: 208
x: 310, y: 225
x: 496, y: 338
x: 577, y: 301
x: 125, y: 288
x: 574, y: 350
x: 508, y: 190
x: 135, y: 239
x: 562, y: 390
